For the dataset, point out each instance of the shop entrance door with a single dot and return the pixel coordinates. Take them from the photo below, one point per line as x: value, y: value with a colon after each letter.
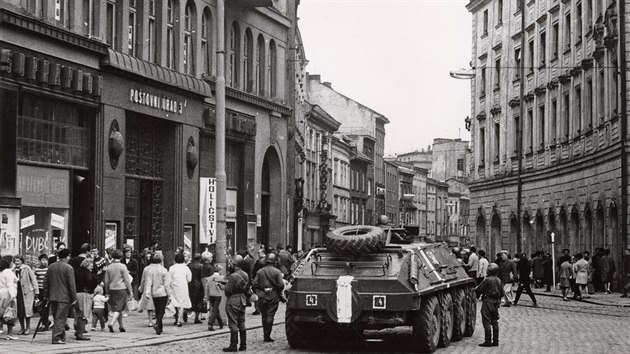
x: 142, y: 212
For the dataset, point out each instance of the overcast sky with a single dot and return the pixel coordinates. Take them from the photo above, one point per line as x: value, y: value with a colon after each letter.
x: 394, y: 56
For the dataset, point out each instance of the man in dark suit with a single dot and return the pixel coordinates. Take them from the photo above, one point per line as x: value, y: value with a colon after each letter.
x: 60, y: 290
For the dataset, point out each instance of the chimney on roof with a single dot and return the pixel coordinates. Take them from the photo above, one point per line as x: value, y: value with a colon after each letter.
x: 328, y: 84
x: 315, y: 77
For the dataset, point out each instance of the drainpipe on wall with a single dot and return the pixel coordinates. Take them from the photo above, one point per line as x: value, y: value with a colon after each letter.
x: 519, y: 135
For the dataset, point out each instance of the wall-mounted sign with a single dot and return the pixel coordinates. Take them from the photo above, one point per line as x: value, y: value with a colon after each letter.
x: 230, y: 205
x: 160, y: 102
x: 57, y: 221
x: 27, y: 221
x: 188, y: 237
x: 111, y: 234
x: 207, y: 209
x: 43, y: 187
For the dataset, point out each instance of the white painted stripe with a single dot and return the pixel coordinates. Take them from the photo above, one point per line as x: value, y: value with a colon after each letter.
x: 344, y: 298
x: 430, y: 264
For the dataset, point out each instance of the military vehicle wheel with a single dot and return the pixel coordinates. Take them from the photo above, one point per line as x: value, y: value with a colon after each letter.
x: 355, y: 240
x: 427, y: 325
x: 460, y: 307
x: 300, y: 335
x: 448, y: 318
x: 472, y: 312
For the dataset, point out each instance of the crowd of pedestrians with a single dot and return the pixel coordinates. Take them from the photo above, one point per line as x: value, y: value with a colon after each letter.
x: 101, y: 290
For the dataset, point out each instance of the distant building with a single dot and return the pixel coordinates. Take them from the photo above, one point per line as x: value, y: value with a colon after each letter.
x: 341, y: 155
x: 392, y: 185
x: 449, y: 159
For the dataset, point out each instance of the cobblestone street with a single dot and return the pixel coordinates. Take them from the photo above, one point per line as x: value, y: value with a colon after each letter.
x: 555, y: 327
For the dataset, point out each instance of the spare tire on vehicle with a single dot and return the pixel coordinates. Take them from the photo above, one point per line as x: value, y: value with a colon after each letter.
x: 355, y: 240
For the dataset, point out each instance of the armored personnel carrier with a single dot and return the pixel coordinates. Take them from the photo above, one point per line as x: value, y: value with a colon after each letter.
x: 362, y: 281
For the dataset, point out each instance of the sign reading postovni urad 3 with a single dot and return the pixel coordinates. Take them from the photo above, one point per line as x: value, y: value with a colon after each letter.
x: 208, y: 211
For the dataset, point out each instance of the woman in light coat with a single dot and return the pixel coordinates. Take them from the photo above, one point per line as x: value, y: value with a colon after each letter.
x: 158, y: 288
x: 580, y: 268
x: 27, y: 291
x: 8, y: 293
x: 146, y: 303
x: 180, y: 277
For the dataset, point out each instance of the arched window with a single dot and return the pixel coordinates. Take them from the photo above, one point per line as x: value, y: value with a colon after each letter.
x: 272, y: 68
x: 260, y: 65
x: 170, y: 35
x: 235, y: 55
x: 248, y: 61
x: 206, y: 42
x: 190, y: 27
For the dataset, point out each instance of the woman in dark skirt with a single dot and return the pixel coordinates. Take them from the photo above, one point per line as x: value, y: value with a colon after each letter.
x: 195, y: 288
x: 118, y: 287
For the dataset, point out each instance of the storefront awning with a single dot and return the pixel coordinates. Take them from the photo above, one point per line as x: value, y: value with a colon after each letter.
x: 157, y: 73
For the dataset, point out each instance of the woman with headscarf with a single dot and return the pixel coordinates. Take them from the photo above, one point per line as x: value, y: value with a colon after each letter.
x: 8, y: 293
x: 27, y: 289
x: 180, y: 277
x: 118, y: 287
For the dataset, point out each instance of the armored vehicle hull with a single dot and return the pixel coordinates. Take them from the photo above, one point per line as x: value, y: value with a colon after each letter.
x: 419, y: 285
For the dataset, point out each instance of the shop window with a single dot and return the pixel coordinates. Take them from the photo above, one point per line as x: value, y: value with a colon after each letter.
x: 54, y: 131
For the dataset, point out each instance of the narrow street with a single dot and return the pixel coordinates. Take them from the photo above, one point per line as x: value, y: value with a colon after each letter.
x: 554, y: 327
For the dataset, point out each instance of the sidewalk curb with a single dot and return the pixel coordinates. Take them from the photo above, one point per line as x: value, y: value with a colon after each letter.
x: 588, y: 301
x: 156, y: 341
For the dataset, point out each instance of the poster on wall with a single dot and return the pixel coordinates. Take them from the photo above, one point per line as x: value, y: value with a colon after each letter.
x: 188, y: 237
x: 207, y: 210
x: 111, y: 234
x: 9, y: 231
x: 36, y: 242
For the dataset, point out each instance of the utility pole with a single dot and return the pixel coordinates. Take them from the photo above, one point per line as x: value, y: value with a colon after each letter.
x: 219, y: 136
x: 519, y: 133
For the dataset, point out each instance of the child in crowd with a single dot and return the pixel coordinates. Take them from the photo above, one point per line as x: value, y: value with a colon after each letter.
x: 40, y: 274
x: 98, y: 308
x: 491, y: 292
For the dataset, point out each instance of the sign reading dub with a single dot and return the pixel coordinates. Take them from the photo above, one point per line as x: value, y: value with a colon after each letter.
x: 160, y: 102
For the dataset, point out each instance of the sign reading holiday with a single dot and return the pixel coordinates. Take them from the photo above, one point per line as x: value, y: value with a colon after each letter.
x: 208, y: 210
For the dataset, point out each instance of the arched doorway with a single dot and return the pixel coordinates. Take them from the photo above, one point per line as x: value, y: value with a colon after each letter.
x: 495, y: 233
x: 540, y: 232
x: 562, y: 236
x: 551, y: 227
x: 271, y: 201
x: 480, y: 231
x: 527, y: 235
x: 587, y: 240
x: 513, y: 241
x: 599, y: 235
x: 613, y: 220
x: 574, y: 230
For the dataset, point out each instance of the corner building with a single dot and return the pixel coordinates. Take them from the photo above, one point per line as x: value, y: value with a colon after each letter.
x: 113, y: 103
x: 562, y: 140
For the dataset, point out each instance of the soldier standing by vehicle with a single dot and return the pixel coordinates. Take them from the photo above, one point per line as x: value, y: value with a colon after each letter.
x: 491, y: 292
x: 235, y: 288
x: 268, y: 284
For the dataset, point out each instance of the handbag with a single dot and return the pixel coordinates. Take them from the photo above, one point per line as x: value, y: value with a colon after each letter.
x: 132, y: 304
x: 10, y: 315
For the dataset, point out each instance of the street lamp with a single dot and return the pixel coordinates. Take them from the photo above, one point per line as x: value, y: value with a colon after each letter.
x: 462, y: 74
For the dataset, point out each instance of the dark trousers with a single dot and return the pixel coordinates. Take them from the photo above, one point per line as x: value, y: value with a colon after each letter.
x: 60, y: 316
x: 98, y: 315
x: 576, y: 289
x: 236, y: 316
x: 45, y: 312
x: 268, y: 309
x: 215, y: 315
x: 528, y: 289
x: 490, y: 319
x: 160, y: 306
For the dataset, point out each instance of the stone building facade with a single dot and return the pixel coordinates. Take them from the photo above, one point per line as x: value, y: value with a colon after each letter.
x: 114, y: 107
x: 558, y: 151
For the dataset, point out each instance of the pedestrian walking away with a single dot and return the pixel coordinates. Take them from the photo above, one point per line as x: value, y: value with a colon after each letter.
x: 118, y: 287
x: 157, y: 288
x: 508, y: 275
x: 491, y: 292
x: 180, y: 277
x: 268, y: 284
x: 213, y: 291
x: 60, y: 290
x: 235, y: 289
x: 195, y: 289
x: 483, y: 267
x: 524, y: 280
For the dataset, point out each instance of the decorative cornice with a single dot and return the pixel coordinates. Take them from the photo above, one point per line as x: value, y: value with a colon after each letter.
x: 481, y: 116
x: 576, y: 70
x: 495, y: 110
x: 552, y: 84
x: 253, y: 99
x: 514, y: 102
x: 587, y: 63
x: 564, y: 78
x: 45, y: 29
x: 528, y: 97
x: 540, y: 90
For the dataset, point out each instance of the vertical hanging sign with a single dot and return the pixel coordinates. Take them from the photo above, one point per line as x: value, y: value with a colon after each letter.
x: 207, y: 210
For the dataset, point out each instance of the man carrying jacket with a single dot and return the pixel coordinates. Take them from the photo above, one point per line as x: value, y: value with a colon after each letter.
x: 268, y: 284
